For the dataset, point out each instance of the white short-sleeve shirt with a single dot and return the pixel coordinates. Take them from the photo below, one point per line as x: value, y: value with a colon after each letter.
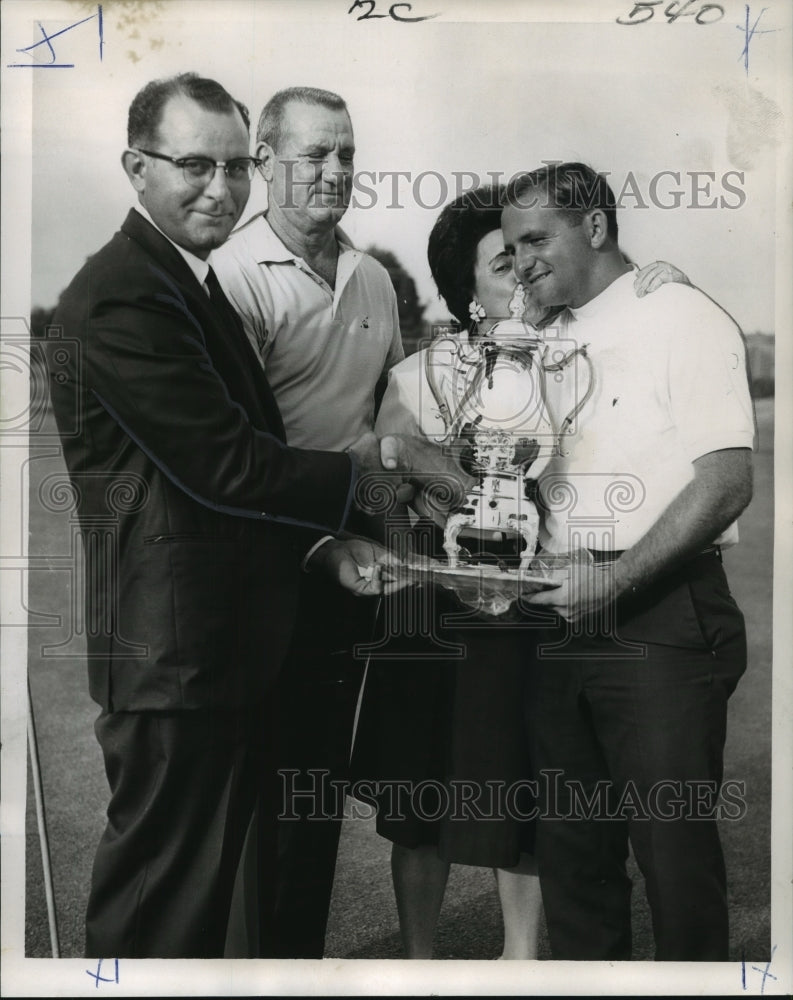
x: 670, y: 385
x: 323, y: 349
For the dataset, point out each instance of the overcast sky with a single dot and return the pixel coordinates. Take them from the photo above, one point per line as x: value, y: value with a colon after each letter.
x: 439, y: 98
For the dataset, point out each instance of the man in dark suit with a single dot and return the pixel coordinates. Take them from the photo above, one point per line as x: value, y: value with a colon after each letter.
x: 195, y: 517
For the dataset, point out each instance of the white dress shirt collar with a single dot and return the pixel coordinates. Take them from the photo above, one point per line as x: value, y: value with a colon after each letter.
x: 200, y: 268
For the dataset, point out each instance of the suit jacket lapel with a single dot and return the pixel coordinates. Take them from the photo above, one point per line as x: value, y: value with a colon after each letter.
x: 222, y: 315
x: 162, y: 250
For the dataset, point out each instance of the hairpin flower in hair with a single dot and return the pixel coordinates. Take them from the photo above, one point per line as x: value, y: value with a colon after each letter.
x: 476, y: 311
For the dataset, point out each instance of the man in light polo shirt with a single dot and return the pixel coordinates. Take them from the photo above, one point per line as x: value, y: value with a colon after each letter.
x: 628, y: 696
x: 323, y: 319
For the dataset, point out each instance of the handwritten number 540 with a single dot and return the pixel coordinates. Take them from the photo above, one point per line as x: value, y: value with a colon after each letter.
x: 392, y: 12
x: 644, y: 10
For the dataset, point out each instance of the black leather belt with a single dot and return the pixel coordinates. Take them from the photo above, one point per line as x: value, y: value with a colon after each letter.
x: 610, y: 555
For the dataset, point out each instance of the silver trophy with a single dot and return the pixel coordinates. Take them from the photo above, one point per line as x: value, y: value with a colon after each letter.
x: 490, y: 391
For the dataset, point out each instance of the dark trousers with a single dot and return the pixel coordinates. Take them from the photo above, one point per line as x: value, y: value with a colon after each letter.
x: 183, y: 788
x: 315, y: 704
x: 628, y: 743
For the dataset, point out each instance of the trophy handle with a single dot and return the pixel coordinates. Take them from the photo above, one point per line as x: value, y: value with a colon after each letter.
x: 559, y: 366
x: 430, y: 369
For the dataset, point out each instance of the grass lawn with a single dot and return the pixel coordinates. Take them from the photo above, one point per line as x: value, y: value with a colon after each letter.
x: 363, y: 916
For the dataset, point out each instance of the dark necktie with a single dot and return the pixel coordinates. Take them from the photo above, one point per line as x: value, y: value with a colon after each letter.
x: 222, y: 306
x: 234, y: 329
x: 224, y: 310
x: 216, y: 294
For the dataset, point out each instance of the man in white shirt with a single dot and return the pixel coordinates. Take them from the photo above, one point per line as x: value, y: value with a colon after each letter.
x: 628, y: 696
x: 322, y: 316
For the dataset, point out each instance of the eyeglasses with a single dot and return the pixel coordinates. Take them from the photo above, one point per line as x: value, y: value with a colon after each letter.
x: 199, y: 170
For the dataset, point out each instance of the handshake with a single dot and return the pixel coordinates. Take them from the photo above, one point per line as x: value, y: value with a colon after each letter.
x: 390, y: 470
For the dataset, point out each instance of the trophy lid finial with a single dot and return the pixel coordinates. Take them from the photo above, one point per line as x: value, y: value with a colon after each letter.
x: 517, y: 304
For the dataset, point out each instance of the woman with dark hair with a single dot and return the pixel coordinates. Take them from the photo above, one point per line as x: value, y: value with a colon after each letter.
x: 441, y: 734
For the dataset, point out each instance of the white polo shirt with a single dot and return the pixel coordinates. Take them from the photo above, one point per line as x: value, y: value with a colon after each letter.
x: 670, y: 385
x: 323, y: 349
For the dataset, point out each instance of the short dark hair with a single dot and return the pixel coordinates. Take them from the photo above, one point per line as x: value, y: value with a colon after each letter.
x: 145, y: 112
x: 271, y: 120
x: 573, y: 187
x: 451, y: 250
